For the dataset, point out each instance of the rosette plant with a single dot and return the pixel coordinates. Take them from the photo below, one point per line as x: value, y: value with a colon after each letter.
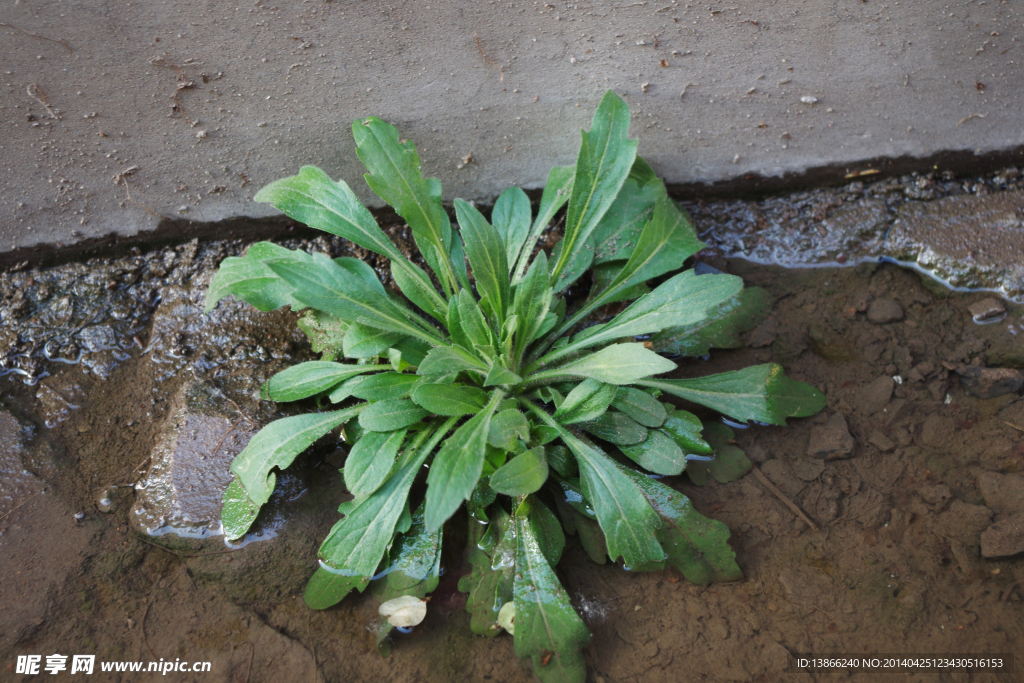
x: 491, y: 378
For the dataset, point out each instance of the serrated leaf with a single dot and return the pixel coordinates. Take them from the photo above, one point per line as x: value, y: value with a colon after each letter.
x: 556, y: 194
x: 575, y: 266
x: 277, y: 445
x: 760, y: 392
x: 617, y: 233
x: 511, y: 217
x: 697, y: 546
x: 357, y: 542
x: 603, y: 275
x: 238, y: 512
x: 614, y: 364
x: 617, y: 428
x: 310, y: 378
x: 657, y: 453
x: 311, y: 197
x: 363, y: 341
x: 588, y: 401
x: 391, y: 414
x: 457, y: 466
x: 386, y: 385
x: 721, y: 328
x: 395, y: 176
x: 442, y: 399
x: 548, y: 630
x: 730, y: 462
x: 523, y: 474
x: 604, y: 162
x: 680, y: 300
x: 625, y: 517
x: 442, y: 360
x: 487, y: 255
x: 325, y: 333
x: 370, y: 461
x: 685, y: 429
x: 324, y: 285
x: 250, y: 279
x: 640, y: 406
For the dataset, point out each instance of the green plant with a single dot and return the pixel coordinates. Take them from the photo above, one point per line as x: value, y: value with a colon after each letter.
x: 504, y: 386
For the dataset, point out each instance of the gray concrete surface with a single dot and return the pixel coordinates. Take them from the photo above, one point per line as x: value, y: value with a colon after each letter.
x: 113, y: 115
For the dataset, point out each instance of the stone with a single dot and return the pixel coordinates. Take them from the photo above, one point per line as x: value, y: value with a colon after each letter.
x: 883, y: 311
x: 807, y: 469
x: 881, y: 441
x: 1004, y: 493
x: 935, y: 495
x: 989, y: 382
x: 875, y: 396
x: 831, y: 440
x: 765, y: 333
x: 868, y: 508
x: 935, y: 430
x: 986, y: 310
x: 182, y: 490
x: 1004, y: 538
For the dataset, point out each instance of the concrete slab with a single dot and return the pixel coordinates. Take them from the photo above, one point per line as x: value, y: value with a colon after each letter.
x: 113, y: 117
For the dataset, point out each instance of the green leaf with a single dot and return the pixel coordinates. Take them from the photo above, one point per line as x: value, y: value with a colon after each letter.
x: 640, y: 406
x: 576, y: 265
x: 588, y: 401
x: 614, y: 364
x: 697, y: 546
x: 415, y: 563
x: 511, y: 218
x: 507, y: 428
x: 492, y: 557
x: 721, y: 328
x: 657, y: 453
x: 556, y: 194
x: 604, y: 162
x: 487, y: 255
x: 362, y: 341
x: 548, y: 630
x: 391, y: 414
x: 625, y: 517
x: 730, y: 462
x: 547, y: 529
x: 442, y: 360
x: 413, y: 351
x: 326, y: 589
x: 395, y: 176
x: 324, y: 285
x: 387, y: 385
x: 560, y: 458
x: 685, y: 429
x: 617, y: 234
x: 277, y: 445
x: 311, y: 197
x: 531, y: 303
x: 603, y: 276
x: 761, y: 393
x: 473, y: 323
x: 587, y: 530
x: 325, y: 333
x: 251, y: 280
x: 442, y: 399
x: 357, y: 542
x: 310, y: 378
x: 680, y: 300
x: 523, y: 474
x: 501, y: 376
x: 458, y: 465
x: 370, y: 461
x: 616, y: 428
x: 238, y: 512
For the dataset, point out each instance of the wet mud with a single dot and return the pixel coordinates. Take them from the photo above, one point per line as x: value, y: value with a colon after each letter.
x: 903, y: 476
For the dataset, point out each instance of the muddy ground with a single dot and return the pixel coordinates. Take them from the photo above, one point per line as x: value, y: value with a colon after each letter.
x: 892, y: 565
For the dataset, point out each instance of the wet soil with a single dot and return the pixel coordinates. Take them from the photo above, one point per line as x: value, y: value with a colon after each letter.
x: 893, y: 565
